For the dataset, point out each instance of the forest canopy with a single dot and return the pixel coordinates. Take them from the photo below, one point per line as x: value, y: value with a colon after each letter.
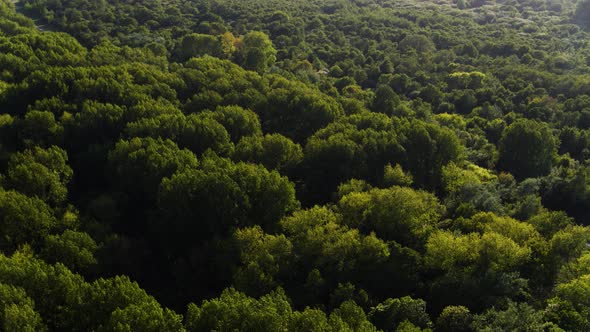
x: 274, y: 165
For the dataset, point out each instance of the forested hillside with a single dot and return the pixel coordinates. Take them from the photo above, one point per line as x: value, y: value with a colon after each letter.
x: 292, y: 165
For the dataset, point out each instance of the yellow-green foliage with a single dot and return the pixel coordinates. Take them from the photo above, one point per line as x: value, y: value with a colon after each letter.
x: 448, y: 251
x: 456, y: 176
x: 453, y: 121
x: 520, y: 232
x: 464, y: 80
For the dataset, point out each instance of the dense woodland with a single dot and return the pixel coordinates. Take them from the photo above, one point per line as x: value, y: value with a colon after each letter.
x: 304, y: 165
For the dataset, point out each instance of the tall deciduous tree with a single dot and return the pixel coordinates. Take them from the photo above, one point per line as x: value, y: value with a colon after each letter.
x: 43, y: 173
x: 258, y: 53
x: 526, y: 149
